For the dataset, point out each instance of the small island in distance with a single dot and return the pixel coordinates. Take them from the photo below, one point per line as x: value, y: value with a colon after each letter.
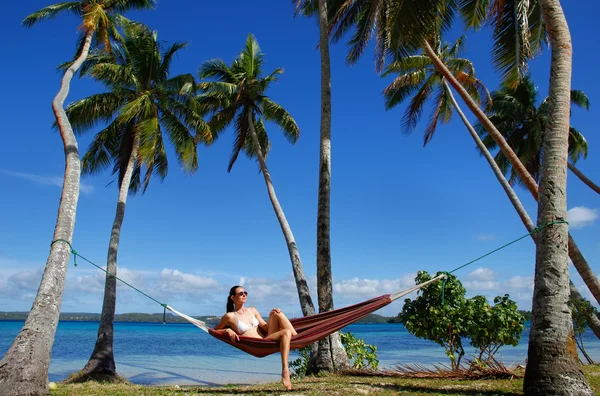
x: 211, y: 320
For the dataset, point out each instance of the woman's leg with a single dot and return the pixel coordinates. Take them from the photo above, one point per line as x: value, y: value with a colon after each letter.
x: 283, y: 336
x: 278, y: 321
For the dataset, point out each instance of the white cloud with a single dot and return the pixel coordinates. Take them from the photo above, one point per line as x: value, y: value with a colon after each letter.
x: 173, y: 281
x: 486, y: 237
x: 372, y: 287
x: 197, y: 294
x: 56, y: 181
x: 580, y: 216
x: 520, y: 282
x: 482, y: 274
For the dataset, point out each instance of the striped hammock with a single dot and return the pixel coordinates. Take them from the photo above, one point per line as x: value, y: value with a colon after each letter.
x: 310, y: 328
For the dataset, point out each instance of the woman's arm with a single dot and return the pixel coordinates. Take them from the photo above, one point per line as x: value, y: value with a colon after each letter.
x: 222, y: 328
x: 223, y: 323
x: 261, y: 322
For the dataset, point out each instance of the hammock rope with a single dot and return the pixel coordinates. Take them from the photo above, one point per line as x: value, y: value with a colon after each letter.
x: 305, y: 322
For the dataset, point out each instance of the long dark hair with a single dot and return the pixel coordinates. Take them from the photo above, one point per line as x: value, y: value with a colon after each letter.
x: 230, y: 306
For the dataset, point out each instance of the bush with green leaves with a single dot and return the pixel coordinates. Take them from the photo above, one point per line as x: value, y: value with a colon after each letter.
x: 360, y: 353
x: 446, y: 324
x: 581, y: 310
x: 491, y: 327
x: 442, y: 314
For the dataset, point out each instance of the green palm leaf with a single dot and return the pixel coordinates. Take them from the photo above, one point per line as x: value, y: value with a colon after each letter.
x: 50, y: 12
x: 87, y: 113
x: 277, y: 114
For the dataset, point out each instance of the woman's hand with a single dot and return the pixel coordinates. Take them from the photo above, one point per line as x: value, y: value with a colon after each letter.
x: 275, y: 311
x: 233, y: 336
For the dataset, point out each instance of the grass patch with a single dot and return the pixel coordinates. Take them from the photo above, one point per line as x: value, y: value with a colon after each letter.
x: 329, y: 385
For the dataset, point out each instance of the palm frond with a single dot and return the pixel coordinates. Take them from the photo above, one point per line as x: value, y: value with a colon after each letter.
x: 167, y: 59
x: 511, y: 36
x: 251, y: 58
x: 49, y: 12
x: 580, y: 99
x: 87, y: 113
x: 403, y: 86
x: 122, y: 6
x: 413, y: 112
x: 242, y: 131
x: 217, y: 70
x: 113, y: 75
x: 181, y: 139
x: 263, y: 142
x: 102, y: 150
x: 139, y: 107
x: 578, y: 146
x: 277, y: 114
x: 408, y: 64
x: 441, y: 110
x: 474, y: 12
x: 365, y: 21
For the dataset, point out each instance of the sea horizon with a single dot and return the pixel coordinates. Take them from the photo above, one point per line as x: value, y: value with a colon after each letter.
x: 175, y: 353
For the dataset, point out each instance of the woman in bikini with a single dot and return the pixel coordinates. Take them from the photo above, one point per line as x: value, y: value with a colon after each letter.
x: 242, y: 321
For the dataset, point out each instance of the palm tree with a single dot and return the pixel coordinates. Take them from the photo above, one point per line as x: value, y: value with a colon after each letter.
x: 405, y: 25
x: 24, y: 367
x: 522, y: 122
x: 331, y: 354
x: 144, y: 104
x: 524, y: 125
x: 417, y: 74
x: 237, y: 94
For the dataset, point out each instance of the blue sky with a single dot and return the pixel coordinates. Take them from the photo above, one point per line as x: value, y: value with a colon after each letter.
x: 396, y: 207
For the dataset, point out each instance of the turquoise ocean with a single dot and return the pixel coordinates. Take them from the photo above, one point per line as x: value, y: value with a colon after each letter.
x: 162, y: 354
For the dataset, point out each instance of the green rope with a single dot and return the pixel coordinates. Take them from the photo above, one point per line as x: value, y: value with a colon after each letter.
x: 535, y: 230
x: 75, y: 254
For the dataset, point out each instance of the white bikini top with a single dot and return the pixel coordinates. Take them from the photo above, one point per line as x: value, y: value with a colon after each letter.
x: 243, y: 327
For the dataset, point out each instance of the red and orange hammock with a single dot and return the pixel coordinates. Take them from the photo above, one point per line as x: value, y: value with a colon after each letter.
x: 310, y: 328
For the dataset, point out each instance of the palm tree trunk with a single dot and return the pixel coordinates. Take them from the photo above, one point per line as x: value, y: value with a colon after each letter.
x: 24, y: 367
x: 551, y: 368
x: 579, y: 261
x: 331, y: 354
x: 101, y: 365
x: 510, y: 193
x: 583, y: 178
x: 485, y: 121
x: 592, y: 320
x: 303, y: 292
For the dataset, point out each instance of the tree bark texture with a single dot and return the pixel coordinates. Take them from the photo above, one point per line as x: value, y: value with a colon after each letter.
x: 101, y: 365
x: 551, y: 368
x: 584, y: 178
x: 306, y: 303
x: 24, y: 368
x: 331, y: 355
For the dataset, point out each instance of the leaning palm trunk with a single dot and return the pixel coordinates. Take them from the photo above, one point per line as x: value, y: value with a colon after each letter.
x: 24, y: 368
x: 583, y: 178
x: 303, y: 293
x: 592, y: 320
x: 101, y: 365
x: 579, y: 262
x: 551, y: 368
x: 331, y: 355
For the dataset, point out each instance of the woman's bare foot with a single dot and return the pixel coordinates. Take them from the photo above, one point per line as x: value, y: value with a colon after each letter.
x: 285, y: 379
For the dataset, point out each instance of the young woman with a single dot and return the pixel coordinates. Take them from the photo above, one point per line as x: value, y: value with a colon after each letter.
x: 247, y: 322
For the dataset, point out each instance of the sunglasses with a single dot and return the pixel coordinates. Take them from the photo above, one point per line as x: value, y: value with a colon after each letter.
x: 242, y: 293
